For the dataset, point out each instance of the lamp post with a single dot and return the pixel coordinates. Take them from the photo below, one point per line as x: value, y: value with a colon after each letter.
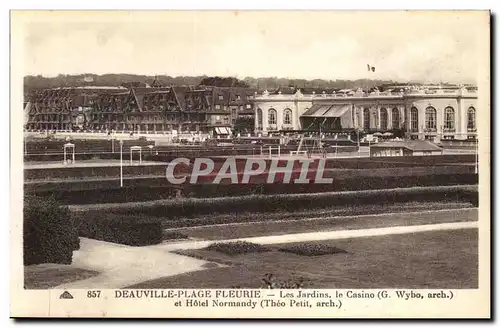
x: 121, y: 163
x: 359, y: 145
x: 357, y: 130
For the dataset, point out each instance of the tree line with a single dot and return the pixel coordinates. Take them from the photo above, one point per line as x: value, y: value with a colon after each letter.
x: 39, y: 82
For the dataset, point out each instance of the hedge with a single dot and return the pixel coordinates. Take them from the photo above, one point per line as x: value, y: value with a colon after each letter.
x: 191, y: 207
x: 92, y: 192
x: 49, y: 232
x: 126, y: 230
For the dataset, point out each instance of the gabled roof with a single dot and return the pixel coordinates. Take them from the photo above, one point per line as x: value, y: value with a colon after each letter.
x: 180, y: 93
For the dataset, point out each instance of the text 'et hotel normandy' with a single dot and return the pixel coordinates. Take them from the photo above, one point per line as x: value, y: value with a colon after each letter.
x: 417, y: 112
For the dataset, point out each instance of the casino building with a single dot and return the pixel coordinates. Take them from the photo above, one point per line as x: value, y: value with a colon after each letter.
x: 419, y: 113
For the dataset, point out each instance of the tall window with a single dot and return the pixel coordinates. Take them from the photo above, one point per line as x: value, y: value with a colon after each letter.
x: 471, y: 119
x: 271, y: 116
x: 366, y: 119
x: 287, y: 116
x: 383, y: 119
x: 395, y: 118
x: 449, y: 119
x: 430, y: 119
x: 414, y: 119
x: 259, y: 118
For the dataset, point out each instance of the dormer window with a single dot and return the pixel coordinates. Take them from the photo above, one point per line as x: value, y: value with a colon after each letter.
x: 221, y: 97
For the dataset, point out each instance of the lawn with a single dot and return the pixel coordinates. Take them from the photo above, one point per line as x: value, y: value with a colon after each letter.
x: 440, y: 259
x: 323, y: 223
x: 46, y: 276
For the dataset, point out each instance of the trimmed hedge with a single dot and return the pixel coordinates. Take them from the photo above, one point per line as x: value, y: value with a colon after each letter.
x: 92, y: 192
x: 49, y: 232
x: 291, y: 202
x: 131, y: 231
x: 171, y: 211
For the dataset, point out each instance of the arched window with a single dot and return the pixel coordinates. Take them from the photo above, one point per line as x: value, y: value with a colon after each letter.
x: 395, y: 118
x: 383, y: 119
x: 430, y: 119
x: 366, y: 119
x: 271, y: 116
x: 471, y: 119
x: 449, y: 119
x: 287, y: 116
x: 414, y: 119
x: 259, y: 118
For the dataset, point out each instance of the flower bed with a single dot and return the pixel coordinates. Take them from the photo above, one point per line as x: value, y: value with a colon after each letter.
x: 309, y: 249
x: 238, y: 247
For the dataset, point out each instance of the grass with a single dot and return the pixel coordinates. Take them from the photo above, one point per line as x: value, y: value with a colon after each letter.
x: 438, y: 259
x: 301, y: 222
x: 46, y: 276
x: 172, y: 235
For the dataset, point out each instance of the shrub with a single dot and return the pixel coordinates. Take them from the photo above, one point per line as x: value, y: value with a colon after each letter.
x: 131, y: 231
x: 271, y: 282
x: 189, y: 207
x: 310, y: 249
x: 49, y: 232
x: 238, y: 247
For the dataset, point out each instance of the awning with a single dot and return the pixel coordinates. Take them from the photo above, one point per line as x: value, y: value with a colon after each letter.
x: 318, y: 111
x: 336, y: 111
x: 326, y: 111
x: 311, y: 110
x: 222, y: 130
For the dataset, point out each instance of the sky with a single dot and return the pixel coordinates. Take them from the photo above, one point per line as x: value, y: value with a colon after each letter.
x: 403, y: 46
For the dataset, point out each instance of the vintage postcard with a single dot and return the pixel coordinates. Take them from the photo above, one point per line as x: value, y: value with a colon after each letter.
x: 250, y: 164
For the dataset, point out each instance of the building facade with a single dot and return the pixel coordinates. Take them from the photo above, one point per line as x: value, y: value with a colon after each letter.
x: 420, y: 114
x: 139, y: 108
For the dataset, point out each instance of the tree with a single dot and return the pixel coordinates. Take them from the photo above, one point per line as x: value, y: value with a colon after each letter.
x: 223, y: 82
x: 244, y: 125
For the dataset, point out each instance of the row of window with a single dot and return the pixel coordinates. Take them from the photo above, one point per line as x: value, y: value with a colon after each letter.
x: 272, y: 116
x: 449, y: 119
x: 238, y: 97
x: 430, y: 118
x: 248, y: 106
x: 383, y: 118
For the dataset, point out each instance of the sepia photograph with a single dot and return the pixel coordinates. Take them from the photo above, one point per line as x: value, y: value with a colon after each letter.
x: 220, y: 155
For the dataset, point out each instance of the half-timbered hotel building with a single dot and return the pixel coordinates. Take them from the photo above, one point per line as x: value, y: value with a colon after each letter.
x: 139, y: 108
